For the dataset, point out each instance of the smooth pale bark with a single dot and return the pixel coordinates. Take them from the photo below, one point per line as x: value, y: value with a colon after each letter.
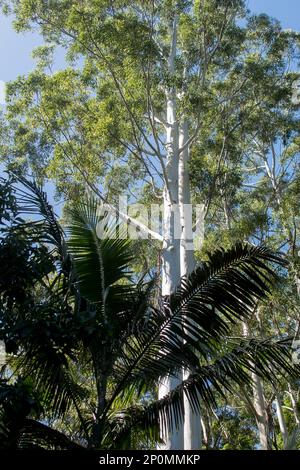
x: 187, y: 258
x: 192, y: 420
x: 259, y: 404
x: 171, y: 242
x: 178, y: 251
x: 281, y: 420
x: 204, y: 433
x: 171, y: 251
x: 294, y: 407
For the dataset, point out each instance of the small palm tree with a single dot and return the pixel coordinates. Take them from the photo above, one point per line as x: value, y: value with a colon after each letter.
x: 91, y: 343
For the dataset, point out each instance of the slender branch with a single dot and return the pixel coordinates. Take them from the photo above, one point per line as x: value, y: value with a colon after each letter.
x: 93, y: 187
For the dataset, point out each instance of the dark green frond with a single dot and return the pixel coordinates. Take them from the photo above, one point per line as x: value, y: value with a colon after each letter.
x: 37, y: 435
x: 32, y: 200
x: 226, y: 288
x: 218, y: 293
x: 268, y: 359
x: 49, y: 367
x: 101, y: 259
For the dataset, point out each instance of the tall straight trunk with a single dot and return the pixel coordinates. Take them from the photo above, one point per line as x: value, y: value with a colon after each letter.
x: 192, y: 419
x: 187, y: 258
x: 281, y: 420
x: 259, y: 403
x: 170, y: 279
x: 171, y: 258
x: 294, y: 407
x: 297, y: 282
x: 171, y: 244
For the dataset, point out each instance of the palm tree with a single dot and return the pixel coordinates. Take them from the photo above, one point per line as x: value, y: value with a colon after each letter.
x: 90, y: 342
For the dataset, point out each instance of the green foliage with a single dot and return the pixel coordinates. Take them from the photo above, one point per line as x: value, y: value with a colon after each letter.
x: 82, y: 317
x: 92, y: 124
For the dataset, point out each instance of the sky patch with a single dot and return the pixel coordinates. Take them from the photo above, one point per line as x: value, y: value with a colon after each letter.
x: 2, y: 92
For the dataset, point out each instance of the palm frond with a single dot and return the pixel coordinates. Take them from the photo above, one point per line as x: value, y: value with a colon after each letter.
x: 32, y: 200
x: 125, y: 429
x: 271, y: 360
x: 217, y: 294
x: 38, y: 435
x: 100, y: 260
x: 226, y: 288
x: 48, y: 366
x: 43, y: 229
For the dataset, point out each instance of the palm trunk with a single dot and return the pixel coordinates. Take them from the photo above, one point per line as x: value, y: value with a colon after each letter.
x: 101, y: 387
x: 192, y: 420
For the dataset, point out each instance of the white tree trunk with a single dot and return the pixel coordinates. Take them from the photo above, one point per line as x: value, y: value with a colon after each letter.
x: 171, y: 244
x: 281, y: 420
x: 192, y: 420
x: 260, y: 408
x: 178, y: 254
x: 294, y: 406
x: 171, y: 277
x: 187, y: 258
x: 259, y: 404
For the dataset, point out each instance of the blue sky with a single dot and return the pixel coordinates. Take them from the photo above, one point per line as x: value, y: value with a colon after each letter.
x: 15, y: 49
x: 287, y: 11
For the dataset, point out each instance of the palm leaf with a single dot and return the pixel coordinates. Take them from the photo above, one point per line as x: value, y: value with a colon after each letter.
x: 43, y: 228
x: 32, y: 200
x: 100, y: 262
x: 216, y: 294
x: 38, y: 435
x: 269, y: 359
x: 49, y: 369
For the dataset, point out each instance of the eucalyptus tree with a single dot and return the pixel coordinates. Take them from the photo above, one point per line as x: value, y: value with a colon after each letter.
x: 150, y: 79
